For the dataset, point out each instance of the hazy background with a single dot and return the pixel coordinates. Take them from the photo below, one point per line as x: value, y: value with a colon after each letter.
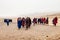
x: 14, y: 8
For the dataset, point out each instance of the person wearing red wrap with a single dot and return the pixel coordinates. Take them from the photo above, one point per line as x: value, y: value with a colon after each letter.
x: 23, y: 22
x: 55, y: 21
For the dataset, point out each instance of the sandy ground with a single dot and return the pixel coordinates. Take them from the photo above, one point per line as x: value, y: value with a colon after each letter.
x: 37, y: 32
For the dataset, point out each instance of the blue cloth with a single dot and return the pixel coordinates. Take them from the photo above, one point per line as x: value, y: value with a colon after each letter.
x: 19, y: 23
x: 7, y: 21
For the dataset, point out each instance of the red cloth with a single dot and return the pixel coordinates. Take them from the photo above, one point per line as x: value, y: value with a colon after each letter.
x: 34, y: 20
x: 55, y: 20
x: 23, y: 21
x: 43, y: 20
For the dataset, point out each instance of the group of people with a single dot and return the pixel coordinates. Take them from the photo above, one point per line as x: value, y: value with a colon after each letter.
x: 40, y: 20
x: 26, y: 22
x: 45, y: 21
x: 21, y: 22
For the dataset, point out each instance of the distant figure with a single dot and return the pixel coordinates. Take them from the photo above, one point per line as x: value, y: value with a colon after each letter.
x: 23, y: 21
x: 41, y: 21
x: 44, y: 20
x: 38, y: 20
x: 35, y: 21
x: 7, y: 21
x: 19, y: 22
x: 55, y: 21
x: 28, y: 22
x: 47, y: 20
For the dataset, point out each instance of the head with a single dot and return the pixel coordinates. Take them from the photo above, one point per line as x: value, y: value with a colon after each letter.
x: 19, y: 18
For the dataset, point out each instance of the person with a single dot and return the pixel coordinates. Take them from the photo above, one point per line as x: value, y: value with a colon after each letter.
x: 55, y: 21
x: 35, y: 21
x: 28, y: 22
x: 38, y: 20
x: 42, y: 20
x: 7, y: 21
x: 47, y: 20
x: 19, y: 22
x: 23, y: 21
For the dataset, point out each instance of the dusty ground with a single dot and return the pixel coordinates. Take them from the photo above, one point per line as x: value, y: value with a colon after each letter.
x: 37, y: 32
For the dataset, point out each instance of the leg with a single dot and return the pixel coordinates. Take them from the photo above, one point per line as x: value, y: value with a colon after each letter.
x: 26, y: 27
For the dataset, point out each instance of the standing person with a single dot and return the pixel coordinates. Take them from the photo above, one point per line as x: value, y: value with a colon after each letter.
x: 28, y: 23
x: 23, y: 21
x: 42, y: 20
x: 38, y: 20
x: 19, y: 22
x: 35, y: 21
x: 55, y: 21
x: 47, y: 20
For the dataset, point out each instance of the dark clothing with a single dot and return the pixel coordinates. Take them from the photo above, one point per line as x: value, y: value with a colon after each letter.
x: 55, y: 21
x: 7, y: 21
x: 19, y: 22
x: 44, y: 20
x: 28, y: 23
x: 47, y: 21
x: 23, y: 22
x: 39, y: 20
x: 35, y: 20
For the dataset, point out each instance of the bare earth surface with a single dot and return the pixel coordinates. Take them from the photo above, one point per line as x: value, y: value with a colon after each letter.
x: 37, y: 32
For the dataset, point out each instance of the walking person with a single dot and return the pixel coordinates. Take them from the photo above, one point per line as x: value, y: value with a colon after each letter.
x: 47, y: 20
x: 23, y: 22
x: 44, y: 20
x: 19, y: 22
x: 55, y: 21
x: 38, y: 20
x: 28, y: 22
x: 35, y: 21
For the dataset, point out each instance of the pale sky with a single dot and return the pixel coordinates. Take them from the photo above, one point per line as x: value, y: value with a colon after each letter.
x: 15, y: 8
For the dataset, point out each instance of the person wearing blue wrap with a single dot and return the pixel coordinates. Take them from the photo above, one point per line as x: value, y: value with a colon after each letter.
x: 19, y: 22
x: 7, y: 21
